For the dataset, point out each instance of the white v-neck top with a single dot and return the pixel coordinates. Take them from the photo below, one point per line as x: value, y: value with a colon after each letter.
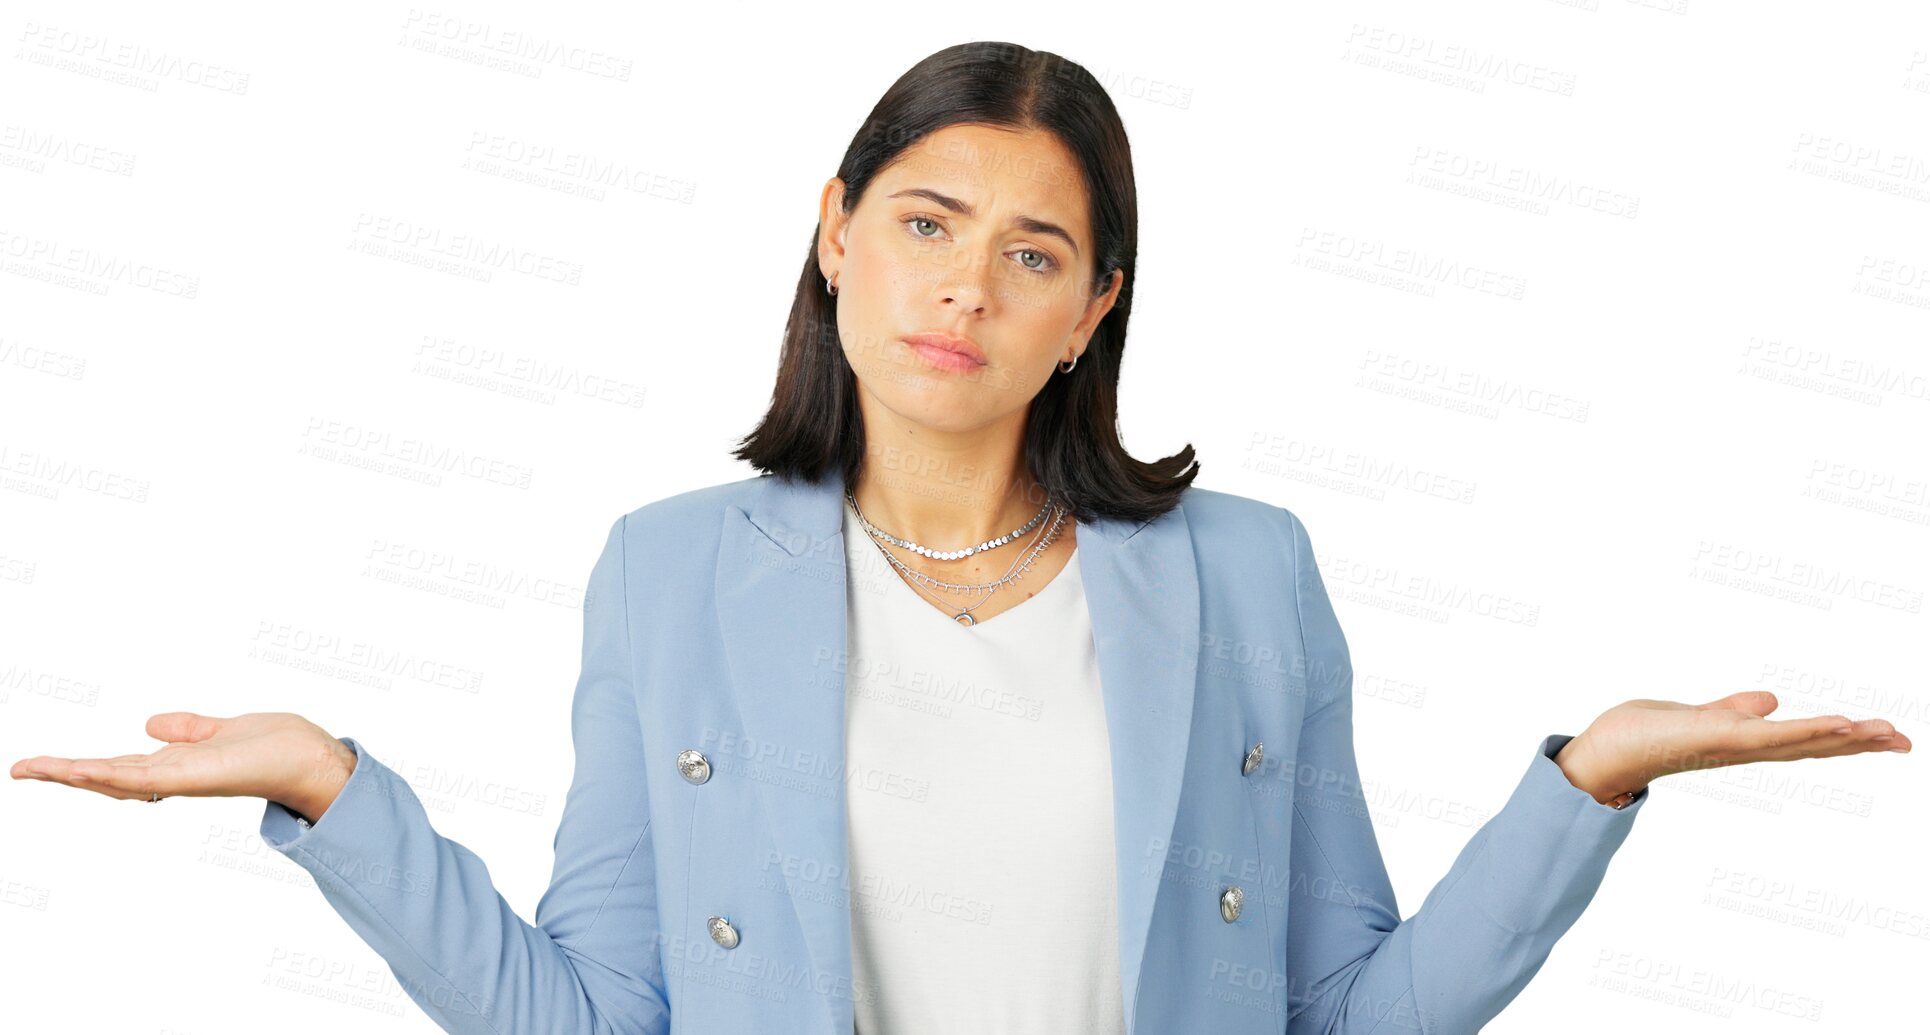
x: 984, y: 895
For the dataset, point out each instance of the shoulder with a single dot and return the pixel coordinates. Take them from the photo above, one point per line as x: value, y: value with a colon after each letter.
x: 1238, y: 520
x: 1239, y: 537
x: 674, y: 539
x: 694, y: 509
x: 1261, y: 554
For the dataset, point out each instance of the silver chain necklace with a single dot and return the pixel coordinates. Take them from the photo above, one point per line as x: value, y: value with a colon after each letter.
x: 946, y: 555
x: 1017, y: 571
x: 965, y: 616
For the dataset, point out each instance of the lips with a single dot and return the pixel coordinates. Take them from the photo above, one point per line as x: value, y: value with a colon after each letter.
x: 967, y: 354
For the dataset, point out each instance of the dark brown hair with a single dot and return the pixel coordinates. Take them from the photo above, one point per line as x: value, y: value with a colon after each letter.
x: 1072, y: 444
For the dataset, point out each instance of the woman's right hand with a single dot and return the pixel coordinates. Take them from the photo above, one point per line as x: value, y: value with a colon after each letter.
x: 279, y: 756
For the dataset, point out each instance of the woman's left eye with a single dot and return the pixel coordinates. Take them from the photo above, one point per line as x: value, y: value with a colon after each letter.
x: 1046, y: 264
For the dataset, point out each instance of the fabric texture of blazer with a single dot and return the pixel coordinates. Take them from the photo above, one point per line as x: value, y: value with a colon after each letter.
x: 700, y: 878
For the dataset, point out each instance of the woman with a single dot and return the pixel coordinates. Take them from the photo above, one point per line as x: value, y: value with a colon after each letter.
x: 957, y: 717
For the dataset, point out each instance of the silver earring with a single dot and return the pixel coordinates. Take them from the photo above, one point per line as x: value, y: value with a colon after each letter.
x: 1066, y: 368
x: 830, y: 284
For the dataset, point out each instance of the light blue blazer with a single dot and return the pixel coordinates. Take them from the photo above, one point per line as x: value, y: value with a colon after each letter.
x: 714, y: 624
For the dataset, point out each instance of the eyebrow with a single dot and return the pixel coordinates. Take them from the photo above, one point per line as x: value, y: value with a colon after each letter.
x: 1026, y: 223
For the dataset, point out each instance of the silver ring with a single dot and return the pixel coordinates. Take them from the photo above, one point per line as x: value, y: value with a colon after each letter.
x: 153, y: 797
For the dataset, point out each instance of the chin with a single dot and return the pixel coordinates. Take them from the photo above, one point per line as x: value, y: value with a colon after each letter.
x: 943, y: 406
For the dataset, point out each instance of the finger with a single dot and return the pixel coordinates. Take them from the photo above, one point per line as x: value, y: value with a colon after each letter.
x: 1756, y: 739
x: 1755, y: 702
x: 112, y: 791
x: 1824, y: 742
x: 1830, y: 747
x: 184, y: 727
x: 29, y: 768
x: 42, y: 767
x: 75, y: 772
x: 1892, y: 741
x: 123, y: 779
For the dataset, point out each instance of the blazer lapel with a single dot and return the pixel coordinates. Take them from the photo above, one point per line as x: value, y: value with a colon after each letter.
x: 1143, y: 592
x: 781, y: 607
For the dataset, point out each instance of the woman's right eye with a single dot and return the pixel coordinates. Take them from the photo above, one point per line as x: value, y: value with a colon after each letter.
x: 913, y: 221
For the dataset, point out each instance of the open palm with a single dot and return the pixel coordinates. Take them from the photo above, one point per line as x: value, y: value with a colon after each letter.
x: 273, y: 755
x: 1638, y: 741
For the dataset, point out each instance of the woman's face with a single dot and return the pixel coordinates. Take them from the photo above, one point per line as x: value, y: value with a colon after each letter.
x: 976, y: 237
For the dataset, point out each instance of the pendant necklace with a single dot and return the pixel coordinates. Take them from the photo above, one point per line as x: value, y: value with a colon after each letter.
x: 1017, y: 571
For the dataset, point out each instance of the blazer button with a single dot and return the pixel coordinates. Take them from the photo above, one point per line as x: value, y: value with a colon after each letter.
x: 1230, y: 901
x: 694, y: 766
x: 722, y: 932
x: 1253, y: 759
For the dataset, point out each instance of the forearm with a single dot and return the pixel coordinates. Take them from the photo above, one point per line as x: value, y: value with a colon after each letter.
x: 1486, y: 927
x: 428, y: 906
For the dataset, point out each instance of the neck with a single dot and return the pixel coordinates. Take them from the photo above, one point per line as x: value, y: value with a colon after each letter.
x: 947, y: 497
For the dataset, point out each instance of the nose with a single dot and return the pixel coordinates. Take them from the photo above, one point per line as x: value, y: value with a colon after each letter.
x: 964, y: 283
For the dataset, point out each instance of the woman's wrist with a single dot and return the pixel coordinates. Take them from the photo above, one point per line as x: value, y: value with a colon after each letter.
x: 1599, y: 782
x: 334, y: 763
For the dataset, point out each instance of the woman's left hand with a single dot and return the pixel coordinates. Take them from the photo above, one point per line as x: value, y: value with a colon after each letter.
x: 1638, y: 741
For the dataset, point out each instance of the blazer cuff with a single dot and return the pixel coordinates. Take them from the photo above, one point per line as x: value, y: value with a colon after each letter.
x: 1544, y: 767
x: 1547, y: 850
x: 356, y: 811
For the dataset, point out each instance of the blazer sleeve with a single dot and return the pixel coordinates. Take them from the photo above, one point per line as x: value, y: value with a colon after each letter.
x: 1354, y: 966
x: 427, y: 906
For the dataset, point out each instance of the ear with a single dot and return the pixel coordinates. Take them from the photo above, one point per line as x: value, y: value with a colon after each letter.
x: 1096, y: 311
x: 832, y: 225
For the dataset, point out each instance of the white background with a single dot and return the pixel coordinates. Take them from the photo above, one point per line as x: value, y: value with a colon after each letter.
x: 1590, y: 340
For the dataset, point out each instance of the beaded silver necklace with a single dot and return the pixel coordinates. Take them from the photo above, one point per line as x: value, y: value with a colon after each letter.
x: 1016, y: 572
x: 946, y: 555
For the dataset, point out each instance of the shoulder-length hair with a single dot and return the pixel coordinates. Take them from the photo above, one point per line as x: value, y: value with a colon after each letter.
x: 1072, y: 443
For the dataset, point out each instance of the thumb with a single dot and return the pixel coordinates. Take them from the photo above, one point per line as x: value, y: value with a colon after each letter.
x: 1755, y: 702
x: 184, y: 727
